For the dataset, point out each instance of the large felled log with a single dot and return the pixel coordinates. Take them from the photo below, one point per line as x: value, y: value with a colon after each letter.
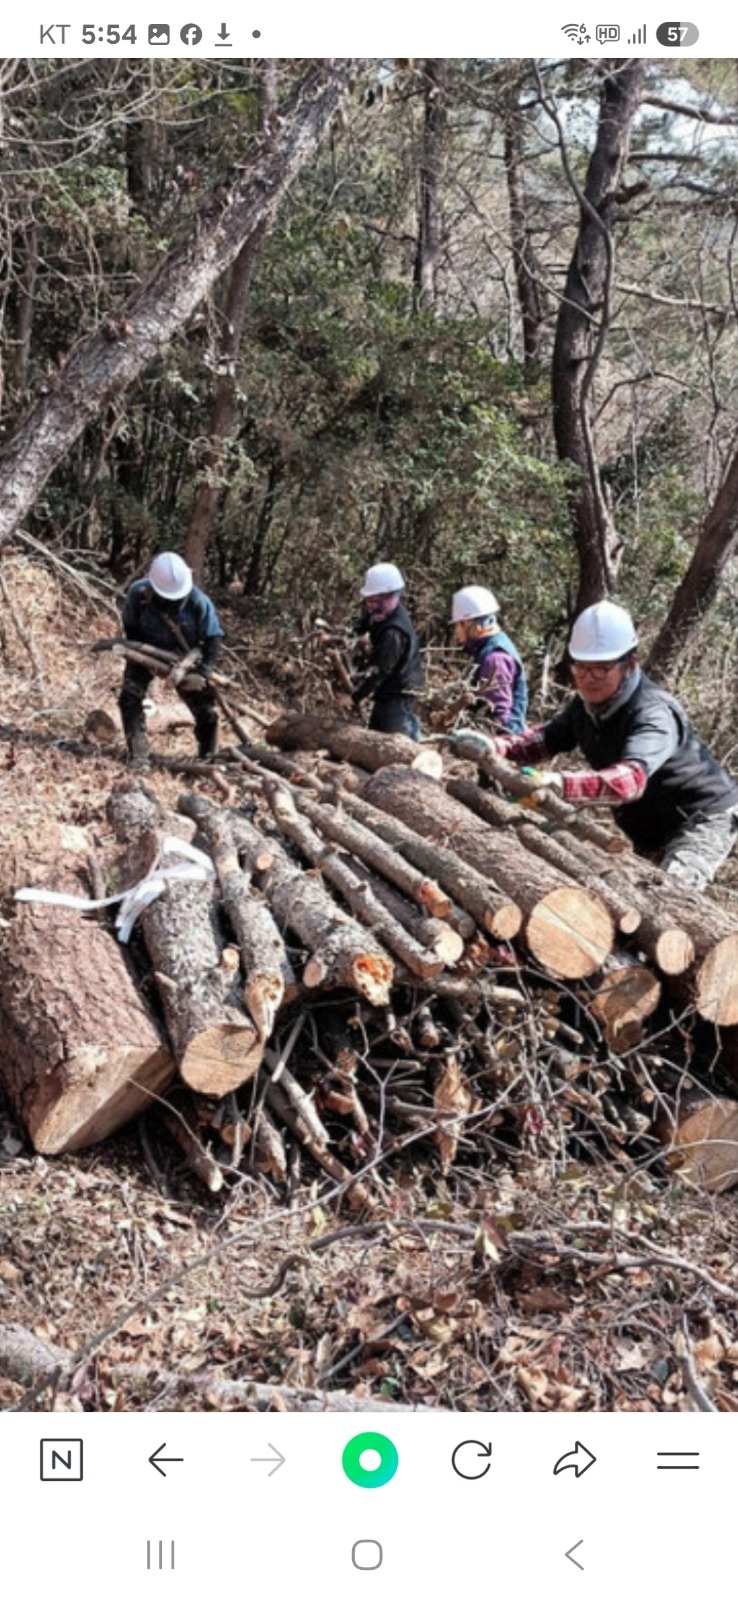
x: 554, y: 850
x: 267, y: 969
x: 79, y: 1054
x: 355, y: 891
x: 567, y: 928
x: 349, y: 741
x: 343, y: 954
x: 215, y: 1043
x: 491, y: 910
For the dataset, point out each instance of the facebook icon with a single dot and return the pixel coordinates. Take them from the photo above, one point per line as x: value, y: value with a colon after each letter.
x: 190, y: 33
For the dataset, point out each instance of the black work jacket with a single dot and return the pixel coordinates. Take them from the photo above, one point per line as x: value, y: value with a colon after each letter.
x: 685, y: 784
x: 396, y: 667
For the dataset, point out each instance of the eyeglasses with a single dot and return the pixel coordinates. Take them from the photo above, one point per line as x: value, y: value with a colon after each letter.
x: 597, y: 669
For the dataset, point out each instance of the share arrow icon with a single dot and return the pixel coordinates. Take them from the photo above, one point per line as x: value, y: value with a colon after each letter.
x: 580, y: 1459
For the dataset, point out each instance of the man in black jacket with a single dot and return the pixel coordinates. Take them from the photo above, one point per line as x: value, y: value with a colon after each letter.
x: 166, y: 610
x: 395, y: 672
x: 672, y: 798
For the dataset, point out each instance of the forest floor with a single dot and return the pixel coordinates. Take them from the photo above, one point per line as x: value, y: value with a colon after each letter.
x: 539, y: 1282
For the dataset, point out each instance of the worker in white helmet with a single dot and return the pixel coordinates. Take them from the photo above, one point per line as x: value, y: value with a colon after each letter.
x: 395, y: 671
x: 499, y: 675
x: 672, y: 798
x: 165, y: 609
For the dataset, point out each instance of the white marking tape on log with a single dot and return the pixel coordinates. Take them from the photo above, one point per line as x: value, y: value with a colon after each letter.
x: 196, y: 867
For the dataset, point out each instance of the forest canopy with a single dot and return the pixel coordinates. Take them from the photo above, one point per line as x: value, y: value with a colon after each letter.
x: 478, y: 316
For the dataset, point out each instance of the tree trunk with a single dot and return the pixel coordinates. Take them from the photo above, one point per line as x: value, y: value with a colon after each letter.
x: 582, y: 327
x: 698, y: 589
x: 527, y: 275
x: 79, y: 1053
x: 214, y: 1042
x: 224, y: 415
x: 567, y: 929
x: 428, y: 248
x: 105, y: 362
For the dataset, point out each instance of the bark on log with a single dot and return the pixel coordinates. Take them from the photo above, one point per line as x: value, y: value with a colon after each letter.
x: 343, y: 954
x: 514, y: 782
x: 348, y: 741
x: 354, y: 890
x: 702, y: 1142
x: 490, y: 909
x: 361, y: 842
x: 436, y: 935
x: 215, y: 1043
x: 268, y: 973
x: 567, y: 928
x: 79, y: 1053
x: 554, y: 850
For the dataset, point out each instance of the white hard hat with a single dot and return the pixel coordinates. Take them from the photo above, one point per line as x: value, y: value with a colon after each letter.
x: 170, y: 576
x: 385, y: 578
x: 471, y: 602
x: 602, y: 633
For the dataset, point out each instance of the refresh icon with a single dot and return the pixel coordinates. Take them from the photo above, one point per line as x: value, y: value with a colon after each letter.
x: 468, y: 1457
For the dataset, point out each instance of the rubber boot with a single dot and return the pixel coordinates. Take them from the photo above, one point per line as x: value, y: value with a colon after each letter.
x: 207, y: 740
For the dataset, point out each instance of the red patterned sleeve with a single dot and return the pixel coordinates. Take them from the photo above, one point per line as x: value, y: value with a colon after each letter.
x: 613, y: 786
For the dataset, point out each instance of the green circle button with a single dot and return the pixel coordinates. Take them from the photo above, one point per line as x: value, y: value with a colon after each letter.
x: 373, y: 1477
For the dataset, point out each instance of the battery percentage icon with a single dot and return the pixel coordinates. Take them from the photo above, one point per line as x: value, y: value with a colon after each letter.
x: 677, y: 34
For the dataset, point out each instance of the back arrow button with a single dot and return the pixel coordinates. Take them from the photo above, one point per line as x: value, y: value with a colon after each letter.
x: 571, y: 1557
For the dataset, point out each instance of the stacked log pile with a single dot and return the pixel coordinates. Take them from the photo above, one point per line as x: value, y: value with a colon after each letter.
x: 383, y: 961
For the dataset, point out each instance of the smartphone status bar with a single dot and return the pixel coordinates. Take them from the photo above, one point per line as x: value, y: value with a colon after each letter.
x: 375, y: 31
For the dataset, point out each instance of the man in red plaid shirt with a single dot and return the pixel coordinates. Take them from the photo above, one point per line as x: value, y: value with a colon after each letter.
x: 671, y: 797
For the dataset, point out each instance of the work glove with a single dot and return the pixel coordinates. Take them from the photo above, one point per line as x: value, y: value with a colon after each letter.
x: 476, y: 744
x: 547, y: 784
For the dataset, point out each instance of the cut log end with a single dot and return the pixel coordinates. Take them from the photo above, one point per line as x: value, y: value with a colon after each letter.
x: 704, y: 1147
x: 716, y: 982
x: 673, y: 951
x: 373, y: 977
x: 570, y: 933
x: 504, y: 921
x: 221, y: 1059
x: 83, y: 1116
x: 434, y: 901
x: 263, y: 995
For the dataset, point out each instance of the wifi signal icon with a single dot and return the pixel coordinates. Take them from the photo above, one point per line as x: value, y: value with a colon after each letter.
x: 576, y: 31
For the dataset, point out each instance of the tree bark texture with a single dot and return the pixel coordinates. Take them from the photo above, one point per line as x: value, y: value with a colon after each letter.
x: 343, y: 954
x: 268, y: 973
x: 428, y: 249
x: 527, y: 273
x: 79, y: 1053
x: 105, y: 362
x: 348, y: 741
x: 582, y: 327
x: 567, y: 928
x: 491, y: 909
x: 354, y: 890
x: 214, y: 1041
x: 715, y: 547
